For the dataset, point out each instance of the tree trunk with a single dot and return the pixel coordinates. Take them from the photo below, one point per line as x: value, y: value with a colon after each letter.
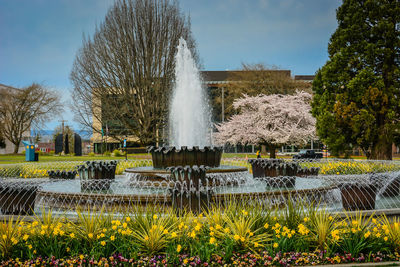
x: 382, y: 149
x: 272, y: 153
x: 16, y: 147
x: 263, y: 149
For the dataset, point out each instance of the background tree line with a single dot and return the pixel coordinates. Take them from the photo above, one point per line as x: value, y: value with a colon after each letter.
x: 356, y: 93
x: 22, y: 110
x: 123, y: 75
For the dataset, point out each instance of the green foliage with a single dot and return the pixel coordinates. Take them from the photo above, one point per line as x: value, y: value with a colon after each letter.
x: 152, y: 232
x: 356, y: 92
x: 225, y: 231
x: 48, y: 235
x: 352, y: 167
x: 118, y: 153
x: 39, y: 169
x: 323, y: 229
x: 10, y: 235
x: 391, y: 229
x: 88, y: 230
x: 293, y: 213
x: 358, y: 238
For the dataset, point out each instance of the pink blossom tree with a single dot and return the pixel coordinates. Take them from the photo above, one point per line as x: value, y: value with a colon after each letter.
x: 270, y: 120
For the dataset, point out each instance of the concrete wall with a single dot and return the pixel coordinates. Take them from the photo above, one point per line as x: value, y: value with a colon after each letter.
x: 10, y: 146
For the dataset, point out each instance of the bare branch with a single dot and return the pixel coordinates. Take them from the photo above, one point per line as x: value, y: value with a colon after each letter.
x: 23, y: 109
x: 123, y: 76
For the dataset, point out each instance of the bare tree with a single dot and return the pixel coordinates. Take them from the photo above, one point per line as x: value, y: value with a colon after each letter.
x: 23, y: 109
x: 123, y: 75
x: 252, y: 80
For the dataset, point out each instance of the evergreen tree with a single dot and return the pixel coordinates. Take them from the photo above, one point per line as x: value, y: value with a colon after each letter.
x: 357, y: 92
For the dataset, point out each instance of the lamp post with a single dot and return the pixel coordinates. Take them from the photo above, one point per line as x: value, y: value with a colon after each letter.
x: 222, y: 108
x: 222, y: 105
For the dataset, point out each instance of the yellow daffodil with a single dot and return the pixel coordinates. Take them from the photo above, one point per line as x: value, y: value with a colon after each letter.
x: 212, y: 240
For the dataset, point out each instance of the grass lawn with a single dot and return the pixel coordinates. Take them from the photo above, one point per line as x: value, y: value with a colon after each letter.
x: 13, y: 158
x: 250, y: 155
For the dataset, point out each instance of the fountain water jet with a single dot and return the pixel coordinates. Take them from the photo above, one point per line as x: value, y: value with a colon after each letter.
x: 189, y: 117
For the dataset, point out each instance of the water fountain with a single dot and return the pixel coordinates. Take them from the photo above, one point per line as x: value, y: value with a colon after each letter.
x: 190, y: 139
x: 188, y: 174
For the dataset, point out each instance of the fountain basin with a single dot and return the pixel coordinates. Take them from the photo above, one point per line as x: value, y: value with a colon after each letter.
x: 68, y: 195
x: 222, y: 175
x: 358, y: 196
x: 164, y: 157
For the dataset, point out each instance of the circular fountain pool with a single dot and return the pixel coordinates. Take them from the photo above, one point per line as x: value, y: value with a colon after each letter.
x: 68, y: 194
x: 356, y: 187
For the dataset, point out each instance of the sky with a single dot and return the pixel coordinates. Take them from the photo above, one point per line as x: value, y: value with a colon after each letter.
x: 39, y: 38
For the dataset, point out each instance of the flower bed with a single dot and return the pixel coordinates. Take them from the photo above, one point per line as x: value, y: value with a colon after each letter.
x: 39, y: 170
x: 247, y: 259
x: 329, y: 167
x: 337, y: 167
x: 235, y: 235
x: 332, y: 166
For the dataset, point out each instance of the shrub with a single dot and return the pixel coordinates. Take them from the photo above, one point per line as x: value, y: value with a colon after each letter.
x: 91, y: 154
x: 125, y: 164
x: 107, y: 153
x: 117, y: 153
x: 153, y: 233
x: 323, y: 229
x: 10, y: 235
